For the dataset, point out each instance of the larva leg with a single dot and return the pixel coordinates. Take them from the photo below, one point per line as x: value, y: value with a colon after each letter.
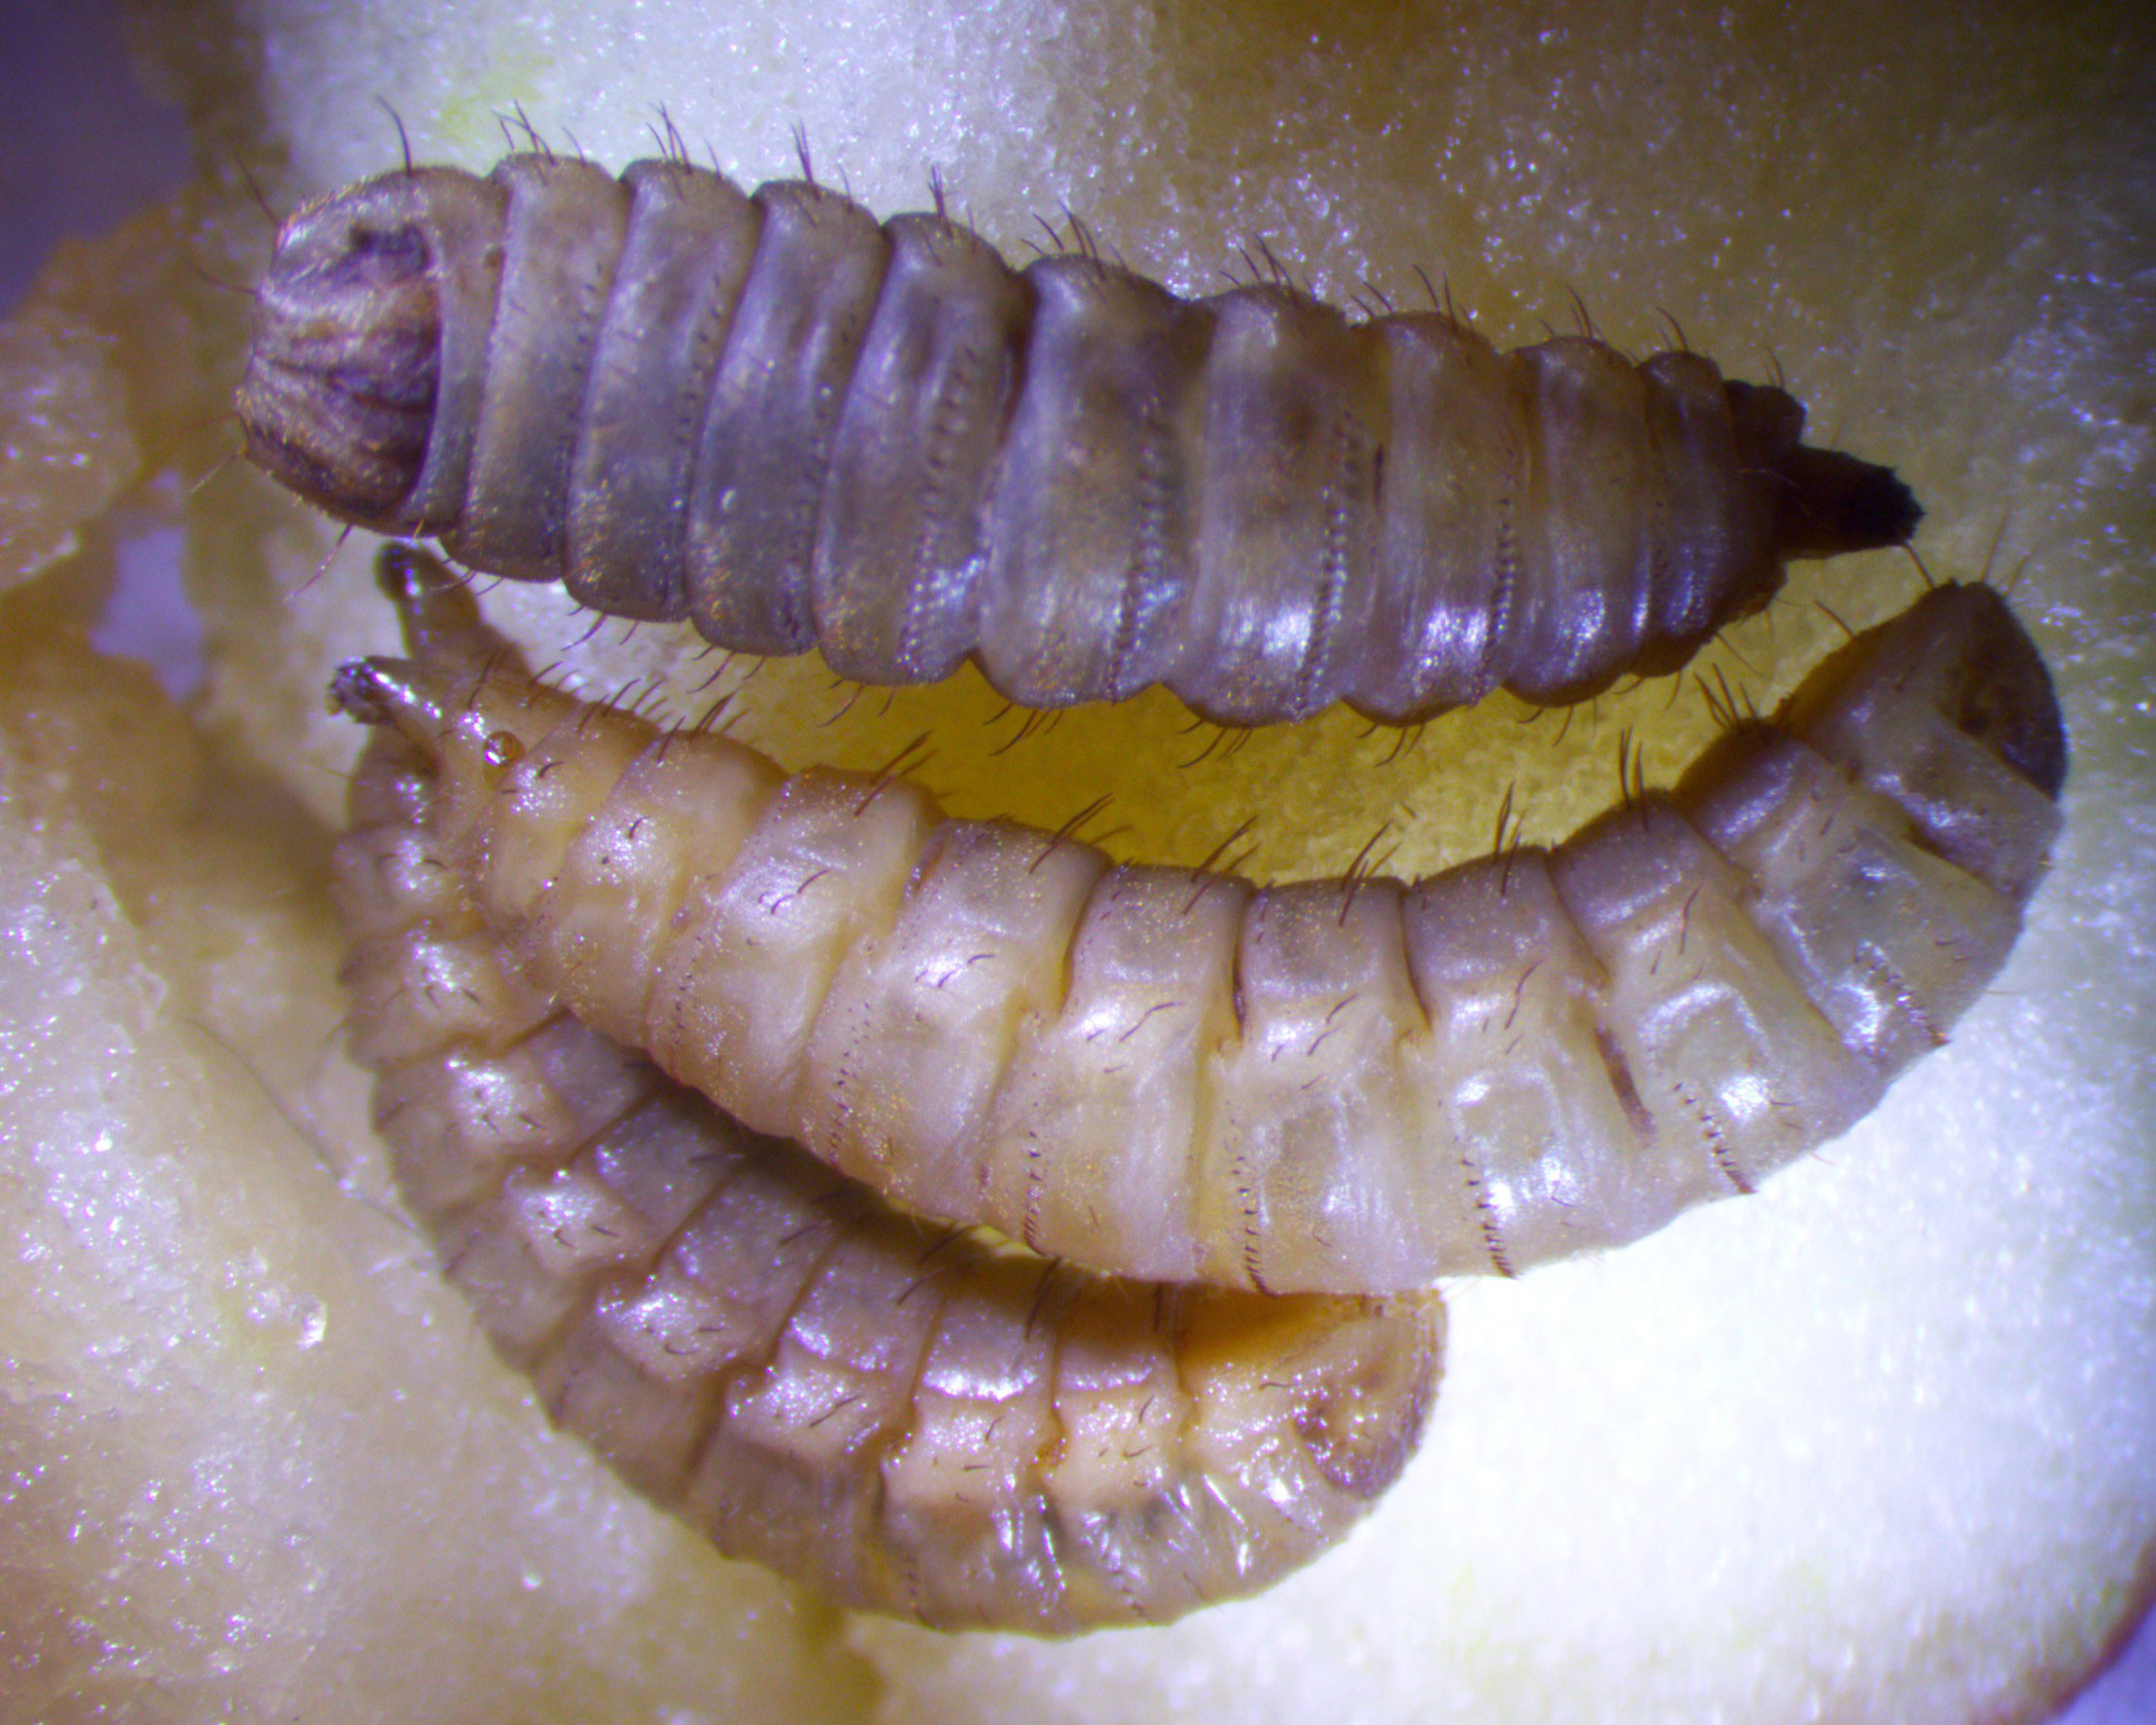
x: 1345, y: 1086
x: 798, y: 426
x: 905, y: 1417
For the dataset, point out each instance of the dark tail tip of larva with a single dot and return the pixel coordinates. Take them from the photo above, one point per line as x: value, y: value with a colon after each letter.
x: 1829, y: 502
x: 343, y: 359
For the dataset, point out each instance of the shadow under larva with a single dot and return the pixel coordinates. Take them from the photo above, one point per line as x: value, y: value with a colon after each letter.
x: 1351, y: 1085
x: 902, y: 1417
x: 798, y: 426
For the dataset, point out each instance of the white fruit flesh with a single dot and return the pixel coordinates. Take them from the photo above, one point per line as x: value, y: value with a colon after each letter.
x: 1877, y: 1444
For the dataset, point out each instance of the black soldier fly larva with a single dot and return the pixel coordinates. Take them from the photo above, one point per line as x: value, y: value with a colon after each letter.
x: 798, y: 426
x: 901, y: 1416
x: 1355, y: 1085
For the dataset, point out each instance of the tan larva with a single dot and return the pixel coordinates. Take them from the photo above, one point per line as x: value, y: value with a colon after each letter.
x: 796, y: 427
x: 897, y: 1414
x: 1349, y: 1085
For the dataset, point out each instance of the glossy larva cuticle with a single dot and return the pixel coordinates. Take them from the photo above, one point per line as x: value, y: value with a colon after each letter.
x: 1347, y: 1085
x: 903, y: 1417
x: 797, y: 427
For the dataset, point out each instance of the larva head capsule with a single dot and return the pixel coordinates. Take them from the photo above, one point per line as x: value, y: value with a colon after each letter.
x: 340, y: 389
x: 364, y: 347
x: 463, y: 698
x: 1949, y: 709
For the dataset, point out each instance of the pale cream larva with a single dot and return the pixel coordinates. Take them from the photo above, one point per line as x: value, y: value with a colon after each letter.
x: 799, y: 426
x: 1349, y: 1085
x: 898, y: 1414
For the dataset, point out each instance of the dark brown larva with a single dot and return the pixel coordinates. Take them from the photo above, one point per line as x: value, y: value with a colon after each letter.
x: 798, y: 426
x: 1353, y: 1085
x: 900, y: 1416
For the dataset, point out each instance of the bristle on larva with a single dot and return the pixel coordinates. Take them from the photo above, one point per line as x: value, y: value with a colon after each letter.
x: 797, y: 427
x: 902, y: 1417
x: 1354, y: 1085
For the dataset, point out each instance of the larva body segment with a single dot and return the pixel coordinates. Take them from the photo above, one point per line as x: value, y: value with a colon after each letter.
x: 900, y: 1416
x: 795, y: 427
x: 1346, y: 1085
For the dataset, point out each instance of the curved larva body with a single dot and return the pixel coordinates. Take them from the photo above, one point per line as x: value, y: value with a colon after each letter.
x: 796, y: 427
x: 896, y: 1414
x: 1342, y: 1085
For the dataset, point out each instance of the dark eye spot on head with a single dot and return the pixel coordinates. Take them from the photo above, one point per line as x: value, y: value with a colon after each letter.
x: 2007, y: 703
x: 377, y: 255
x: 401, y: 244
x: 1979, y: 716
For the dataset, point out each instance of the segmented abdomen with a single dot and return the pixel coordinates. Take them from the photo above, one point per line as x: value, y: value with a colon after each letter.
x: 1347, y: 1085
x: 798, y: 426
x: 897, y: 1413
